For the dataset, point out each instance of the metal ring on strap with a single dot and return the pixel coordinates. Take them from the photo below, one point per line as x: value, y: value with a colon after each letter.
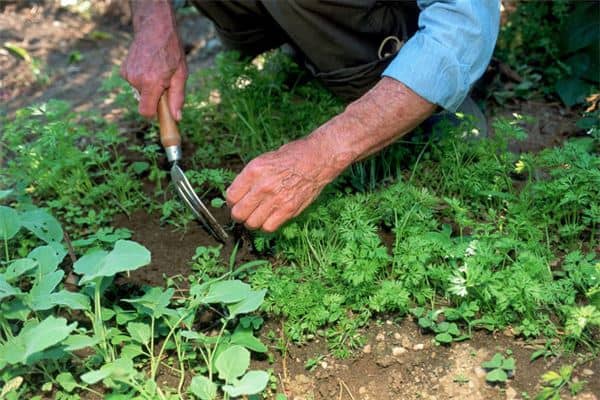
x: 397, y: 43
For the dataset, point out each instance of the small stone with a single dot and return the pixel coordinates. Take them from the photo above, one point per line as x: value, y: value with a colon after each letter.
x: 587, y: 372
x: 388, y: 322
x: 380, y: 337
x: 398, y: 351
x: 406, y: 343
x: 419, y: 346
x: 397, y: 336
x: 324, y: 364
x: 367, y: 349
x: 362, y: 390
x: 385, y: 361
x: 511, y: 394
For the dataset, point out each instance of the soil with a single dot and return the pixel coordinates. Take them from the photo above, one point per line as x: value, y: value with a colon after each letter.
x: 397, y: 360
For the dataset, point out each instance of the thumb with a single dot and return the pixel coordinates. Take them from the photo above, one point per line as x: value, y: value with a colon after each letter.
x: 177, y: 91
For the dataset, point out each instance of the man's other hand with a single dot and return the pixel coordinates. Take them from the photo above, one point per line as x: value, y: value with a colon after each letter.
x: 156, y: 61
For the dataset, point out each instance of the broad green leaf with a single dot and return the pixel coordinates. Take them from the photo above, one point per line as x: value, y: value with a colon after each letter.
x: 552, y: 378
x: 232, y: 362
x: 453, y: 329
x: 120, y: 369
x: 10, y: 222
x: 131, y: 350
x: 47, y: 258
x: 203, y: 388
x: 18, y: 268
x: 34, y: 338
x: 139, y: 332
x: 572, y: 90
x: 250, y: 303
x: 78, y: 342
x: 39, y: 295
x: 495, y: 362
x: 49, y: 332
x: 154, y: 302
x: 126, y: 256
x: 254, y: 382
x: 6, y: 290
x: 496, y: 375
x: 72, y: 300
x: 227, y: 292
x: 66, y: 381
x: 245, y: 337
x: 5, y: 193
x: 95, y: 376
x: 443, y: 337
x: 42, y: 225
x: 508, y: 364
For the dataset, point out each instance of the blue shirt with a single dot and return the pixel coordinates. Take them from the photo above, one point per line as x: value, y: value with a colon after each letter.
x: 450, y: 50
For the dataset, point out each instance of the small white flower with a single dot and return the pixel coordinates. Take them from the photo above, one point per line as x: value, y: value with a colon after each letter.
x: 458, y: 287
x: 471, y: 250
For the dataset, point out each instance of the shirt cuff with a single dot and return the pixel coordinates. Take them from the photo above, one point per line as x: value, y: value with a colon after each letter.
x: 432, y: 71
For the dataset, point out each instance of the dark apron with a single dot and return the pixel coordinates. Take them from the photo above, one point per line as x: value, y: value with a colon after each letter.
x: 344, y: 43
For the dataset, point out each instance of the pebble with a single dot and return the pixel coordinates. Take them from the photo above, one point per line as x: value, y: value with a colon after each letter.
x: 587, y: 372
x: 362, y: 390
x: 397, y: 336
x: 388, y: 322
x: 380, y: 337
x: 385, y: 361
x: 324, y: 364
x: 406, y: 343
x: 419, y: 346
x: 367, y: 349
x: 511, y: 394
x: 397, y: 351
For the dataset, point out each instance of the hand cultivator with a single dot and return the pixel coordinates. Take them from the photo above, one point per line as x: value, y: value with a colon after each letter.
x: 171, y: 141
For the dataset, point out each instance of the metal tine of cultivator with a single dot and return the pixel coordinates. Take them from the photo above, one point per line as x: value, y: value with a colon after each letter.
x: 189, y: 196
x: 171, y: 141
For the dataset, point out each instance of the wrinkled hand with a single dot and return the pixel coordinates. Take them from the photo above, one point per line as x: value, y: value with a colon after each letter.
x: 278, y: 185
x: 156, y: 62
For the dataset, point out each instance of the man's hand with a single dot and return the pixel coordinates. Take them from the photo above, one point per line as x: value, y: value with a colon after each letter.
x: 278, y: 185
x: 156, y: 61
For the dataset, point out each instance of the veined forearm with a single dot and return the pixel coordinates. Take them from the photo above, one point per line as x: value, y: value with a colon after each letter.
x: 377, y: 119
x: 152, y: 13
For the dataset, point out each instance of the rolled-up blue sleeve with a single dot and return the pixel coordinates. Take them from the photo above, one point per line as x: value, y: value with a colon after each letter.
x: 449, y: 51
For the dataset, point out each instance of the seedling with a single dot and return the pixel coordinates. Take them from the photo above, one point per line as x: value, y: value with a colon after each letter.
x: 499, y: 368
x: 556, y: 382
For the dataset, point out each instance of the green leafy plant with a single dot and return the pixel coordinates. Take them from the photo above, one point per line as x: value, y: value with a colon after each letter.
x: 556, y: 382
x: 499, y: 368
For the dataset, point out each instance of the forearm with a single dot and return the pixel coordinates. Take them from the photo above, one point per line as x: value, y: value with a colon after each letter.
x: 383, y: 115
x: 152, y: 14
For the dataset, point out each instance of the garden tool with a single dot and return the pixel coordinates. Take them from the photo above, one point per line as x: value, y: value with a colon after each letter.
x: 171, y: 141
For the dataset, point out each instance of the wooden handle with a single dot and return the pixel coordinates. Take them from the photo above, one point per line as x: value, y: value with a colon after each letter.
x: 169, y: 133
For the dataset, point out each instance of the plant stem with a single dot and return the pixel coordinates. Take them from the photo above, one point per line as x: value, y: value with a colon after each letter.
x: 6, y: 248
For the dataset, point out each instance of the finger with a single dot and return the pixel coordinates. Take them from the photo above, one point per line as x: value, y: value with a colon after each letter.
x: 149, y: 96
x: 259, y: 216
x: 246, y: 206
x: 239, y: 187
x: 177, y: 91
x: 275, y: 220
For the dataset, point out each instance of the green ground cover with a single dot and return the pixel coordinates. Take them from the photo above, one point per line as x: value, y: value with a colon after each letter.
x: 458, y: 232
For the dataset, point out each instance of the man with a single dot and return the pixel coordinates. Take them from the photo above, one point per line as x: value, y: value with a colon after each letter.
x: 397, y: 61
